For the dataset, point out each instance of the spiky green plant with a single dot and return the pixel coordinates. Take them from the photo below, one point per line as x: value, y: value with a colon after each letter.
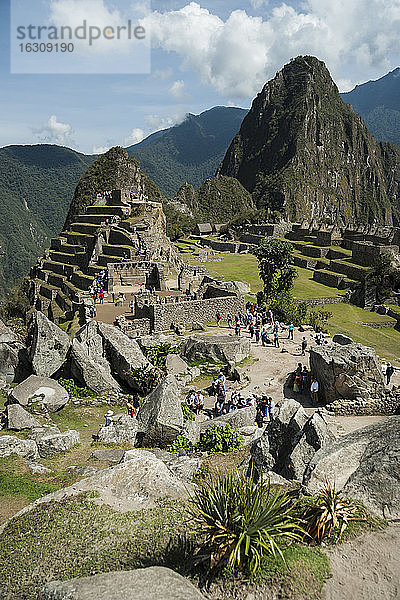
x: 242, y: 521
x: 329, y: 515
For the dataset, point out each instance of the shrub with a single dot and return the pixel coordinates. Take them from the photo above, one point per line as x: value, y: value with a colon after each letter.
x: 145, y: 378
x: 74, y: 390
x: 220, y: 439
x: 187, y: 413
x: 179, y: 444
x: 242, y: 521
x: 318, y: 319
x: 158, y: 354
x: 286, y: 308
x: 329, y: 515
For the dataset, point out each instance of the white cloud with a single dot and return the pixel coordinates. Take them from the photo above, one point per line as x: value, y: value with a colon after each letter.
x: 158, y: 122
x: 177, y: 91
x: 136, y: 136
x: 54, y: 131
x: 357, y: 40
x: 100, y: 149
x: 162, y: 74
x: 258, y: 4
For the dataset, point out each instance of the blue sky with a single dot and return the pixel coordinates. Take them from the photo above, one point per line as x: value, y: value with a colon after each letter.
x: 203, y: 54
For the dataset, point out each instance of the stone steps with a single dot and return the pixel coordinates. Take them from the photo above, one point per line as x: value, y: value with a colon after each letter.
x: 350, y: 270
x: 104, y: 259
x: 114, y: 250
x: 107, y: 209
x: 68, y: 259
x: 88, y: 228
x: 76, y: 238
x: 332, y: 279
x: 81, y: 280
x: 96, y: 219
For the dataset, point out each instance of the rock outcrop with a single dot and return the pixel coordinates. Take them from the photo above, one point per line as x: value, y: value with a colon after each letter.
x: 58, y: 442
x: 365, y: 464
x: 223, y: 348
x: 160, y: 414
x: 346, y: 371
x: 152, y: 583
x: 14, y: 364
x: 289, y: 442
x: 304, y: 152
x: 10, y: 444
x: 49, y: 345
x: 122, y: 353
x: 125, y: 429
x: 41, y: 392
x: 18, y: 418
x: 90, y: 373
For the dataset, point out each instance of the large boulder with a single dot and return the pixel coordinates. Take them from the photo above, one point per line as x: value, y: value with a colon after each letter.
x: 290, y: 441
x: 152, y: 583
x: 90, y: 373
x: 37, y: 433
x: 92, y: 343
x: 175, y: 365
x: 111, y: 455
x: 41, y: 392
x: 18, y: 418
x: 10, y: 444
x: 58, y: 442
x: 160, y: 414
x: 315, y: 435
x: 365, y: 464
x: 135, y: 484
x: 49, y: 345
x: 346, y: 371
x: 122, y: 353
x: 243, y: 417
x: 222, y: 348
x: 14, y: 364
x: 125, y: 429
x: 184, y: 467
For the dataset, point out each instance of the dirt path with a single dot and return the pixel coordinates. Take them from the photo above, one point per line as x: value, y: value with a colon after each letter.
x: 367, y: 568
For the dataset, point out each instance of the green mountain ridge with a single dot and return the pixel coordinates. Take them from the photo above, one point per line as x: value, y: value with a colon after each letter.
x: 302, y: 151
x: 36, y: 186
x: 189, y: 152
x: 378, y: 102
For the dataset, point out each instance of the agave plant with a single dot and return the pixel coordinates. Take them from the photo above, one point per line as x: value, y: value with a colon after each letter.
x: 329, y: 515
x: 242, y: 520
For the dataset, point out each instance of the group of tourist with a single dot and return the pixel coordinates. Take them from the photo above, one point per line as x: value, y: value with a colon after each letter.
x: 302, y: 381
x: 260, y: 325
x: 98, y: 286
x: 195, y: 401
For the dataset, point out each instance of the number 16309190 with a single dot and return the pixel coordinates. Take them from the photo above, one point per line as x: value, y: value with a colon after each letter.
x: 47, y: 47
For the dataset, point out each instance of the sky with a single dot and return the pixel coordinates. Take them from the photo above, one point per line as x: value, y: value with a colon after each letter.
x: 196, y: 55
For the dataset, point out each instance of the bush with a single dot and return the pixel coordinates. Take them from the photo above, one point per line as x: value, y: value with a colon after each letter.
x: 220, y: 439
x: 158, y: 354
x: 318, y: 319
x: 187, y: 413
x: 242, y: 521
x: 329, y: 514
x: 145, y: 378
x: 179, y: 444
x: 74, y: 390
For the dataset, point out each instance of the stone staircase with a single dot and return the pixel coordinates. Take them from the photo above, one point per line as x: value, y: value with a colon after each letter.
x: 68, y: 268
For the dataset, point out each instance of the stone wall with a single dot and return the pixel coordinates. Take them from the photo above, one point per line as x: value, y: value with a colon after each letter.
x: 328, y: 300
x: 366, y: 253
x: 132, y: 327
x: 162, y: 316
x: 388, y: 404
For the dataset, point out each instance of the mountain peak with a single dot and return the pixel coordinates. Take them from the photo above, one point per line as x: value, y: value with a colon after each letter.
x: 302, y: 151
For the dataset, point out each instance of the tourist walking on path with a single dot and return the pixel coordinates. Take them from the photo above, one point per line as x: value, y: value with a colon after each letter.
x: 271, y: 408
x: 303, y: 346
x: 314, y: 391
x: 291, y: 332
x: 218, y: 316
x: 389, y: 373
x: 276, y: 339
x: 229, y: 319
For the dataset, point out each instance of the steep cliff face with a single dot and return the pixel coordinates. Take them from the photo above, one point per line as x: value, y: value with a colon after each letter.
x: 111, y: 171
x: 217, y: 200
x: 303, y: 151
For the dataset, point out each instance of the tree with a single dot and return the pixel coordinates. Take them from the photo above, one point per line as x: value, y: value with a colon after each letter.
x: 384, y: 277
x: 274, y: 258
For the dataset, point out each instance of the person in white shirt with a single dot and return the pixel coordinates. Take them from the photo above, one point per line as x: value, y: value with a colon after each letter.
x: 314, y: 391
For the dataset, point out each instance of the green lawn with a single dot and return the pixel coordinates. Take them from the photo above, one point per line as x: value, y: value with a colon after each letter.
x: 305, y: 287
x: 346, y: 319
